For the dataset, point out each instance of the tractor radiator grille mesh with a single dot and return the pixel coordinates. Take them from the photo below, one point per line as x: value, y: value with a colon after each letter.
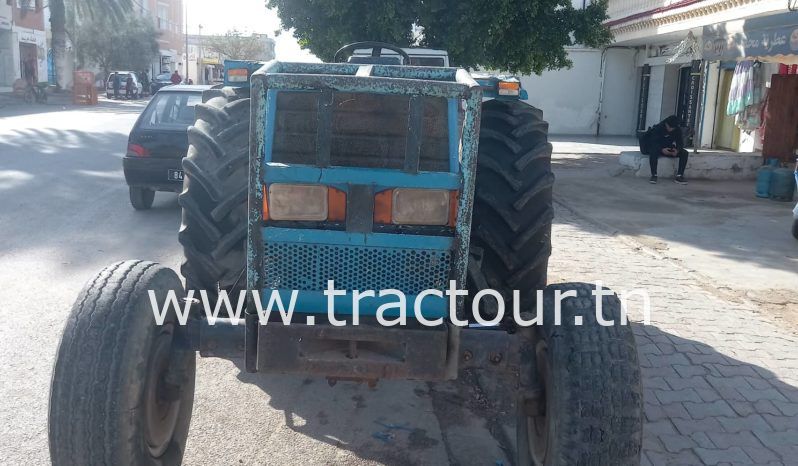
x: 292, y: 266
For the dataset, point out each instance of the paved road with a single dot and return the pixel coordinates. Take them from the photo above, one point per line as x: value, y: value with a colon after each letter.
x: 64, y: 214
x: 721, y: 381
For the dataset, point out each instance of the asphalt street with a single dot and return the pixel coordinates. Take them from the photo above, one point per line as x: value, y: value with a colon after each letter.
x: 720, y: 374
x: 65, y: 214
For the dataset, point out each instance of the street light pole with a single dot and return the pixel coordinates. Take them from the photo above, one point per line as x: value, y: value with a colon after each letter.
x: 200, y: 65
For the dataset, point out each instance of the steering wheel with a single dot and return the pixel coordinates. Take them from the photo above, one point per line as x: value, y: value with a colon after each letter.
x: 376, y: 50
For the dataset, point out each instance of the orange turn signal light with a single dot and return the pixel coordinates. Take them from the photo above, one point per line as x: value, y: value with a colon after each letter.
x: 509, y: 85
x: 336, y: 205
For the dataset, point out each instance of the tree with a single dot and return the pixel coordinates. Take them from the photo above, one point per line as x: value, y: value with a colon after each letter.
x: 234, y: 45
x: 130, y: 45
x: 114, y: 10
x: 520, y: 36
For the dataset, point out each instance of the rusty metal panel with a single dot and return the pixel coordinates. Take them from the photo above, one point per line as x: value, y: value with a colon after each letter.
x: 377, y: 352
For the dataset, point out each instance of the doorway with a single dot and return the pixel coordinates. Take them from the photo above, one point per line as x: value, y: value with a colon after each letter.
x: 727, y: 135
x: 28, y: 62
x: 6, y: 59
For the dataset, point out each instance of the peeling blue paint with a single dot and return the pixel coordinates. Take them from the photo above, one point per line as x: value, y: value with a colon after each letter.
x: 381, y: 178
x: 457, y: 85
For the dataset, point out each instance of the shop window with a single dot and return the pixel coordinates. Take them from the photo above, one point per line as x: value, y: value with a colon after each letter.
x: 28, y: 5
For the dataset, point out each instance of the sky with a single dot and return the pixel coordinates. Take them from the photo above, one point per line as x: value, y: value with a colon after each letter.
x: 218, y: 17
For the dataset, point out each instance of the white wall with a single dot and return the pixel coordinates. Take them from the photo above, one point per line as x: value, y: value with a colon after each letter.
x: 670, y: 91
x: 662, y: 93
x: 568, y: 97
x: 656, y: 86
x: 621, y: 88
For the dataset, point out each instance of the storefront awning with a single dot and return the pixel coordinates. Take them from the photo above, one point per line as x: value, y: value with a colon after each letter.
x: 769, y: 38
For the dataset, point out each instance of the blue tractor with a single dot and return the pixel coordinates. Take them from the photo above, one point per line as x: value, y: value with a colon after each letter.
x: 355, y: 193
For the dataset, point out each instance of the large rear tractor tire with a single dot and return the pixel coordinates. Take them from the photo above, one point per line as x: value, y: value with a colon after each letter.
x: 214, y: 198
x: 589, y: 408
x: 511, y: 227
x: 123, y: 386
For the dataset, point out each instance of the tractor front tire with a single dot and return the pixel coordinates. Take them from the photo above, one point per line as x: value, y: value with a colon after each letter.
x: 513, y: 212
x: 214, y: 198
x: 122, y: 388
x: 589, y: 408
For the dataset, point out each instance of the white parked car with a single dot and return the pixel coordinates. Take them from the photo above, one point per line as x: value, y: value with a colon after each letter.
x: 123, y: 75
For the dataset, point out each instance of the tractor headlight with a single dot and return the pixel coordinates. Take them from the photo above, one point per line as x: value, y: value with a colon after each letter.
x: 297, y: 202
x: 420, y: 207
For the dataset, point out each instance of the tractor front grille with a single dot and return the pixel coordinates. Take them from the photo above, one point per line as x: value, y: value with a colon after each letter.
x: 366, y: 130
x: 308, y: 267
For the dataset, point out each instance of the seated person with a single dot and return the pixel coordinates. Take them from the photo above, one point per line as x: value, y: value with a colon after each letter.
x: 665, y: 140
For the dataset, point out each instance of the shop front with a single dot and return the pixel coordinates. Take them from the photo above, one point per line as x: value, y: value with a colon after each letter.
x: 752, y: 69
x: 212, y: 71
x: 6, y: 50
x: 165, y: 63
x: 31, y: 54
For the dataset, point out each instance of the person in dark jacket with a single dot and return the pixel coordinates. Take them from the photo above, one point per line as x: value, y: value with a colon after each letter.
x: 129, y: 85
x: 117, y: 83
x: 665, y: 140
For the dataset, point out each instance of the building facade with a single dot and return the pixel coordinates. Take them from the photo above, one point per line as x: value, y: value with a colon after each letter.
x: 23, y: 42
x: 168, y: 17
x: 205, y: 66
x: 663, y: 61
x: 683, y: 67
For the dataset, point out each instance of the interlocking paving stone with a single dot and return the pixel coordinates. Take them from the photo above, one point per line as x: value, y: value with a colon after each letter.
x: 720, y: 379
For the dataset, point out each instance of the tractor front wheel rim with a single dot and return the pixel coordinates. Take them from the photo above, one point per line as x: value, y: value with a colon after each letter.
x: 538, y: 426
x: 161, y: 413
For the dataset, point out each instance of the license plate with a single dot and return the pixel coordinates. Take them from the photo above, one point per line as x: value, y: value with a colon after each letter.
x: 175, y: 175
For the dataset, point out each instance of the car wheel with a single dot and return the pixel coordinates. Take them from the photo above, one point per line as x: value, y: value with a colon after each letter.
x: 141, y: 198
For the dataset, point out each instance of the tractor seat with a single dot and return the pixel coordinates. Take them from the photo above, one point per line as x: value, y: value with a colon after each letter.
x: 375, y: 60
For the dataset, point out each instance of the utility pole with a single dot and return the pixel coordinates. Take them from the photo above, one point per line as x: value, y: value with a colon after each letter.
x: 185, y: 78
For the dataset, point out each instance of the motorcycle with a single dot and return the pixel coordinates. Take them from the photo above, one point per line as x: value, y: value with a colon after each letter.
x: 35, y: 93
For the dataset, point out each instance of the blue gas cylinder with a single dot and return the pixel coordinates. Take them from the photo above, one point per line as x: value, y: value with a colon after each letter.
x: 763, y: 177
x: 782, y: 184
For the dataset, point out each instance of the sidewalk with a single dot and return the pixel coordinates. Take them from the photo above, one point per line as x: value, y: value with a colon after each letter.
x: 718, y: 232
x: 12, y: 105
x: 720, y: 380
x: 8, y: 98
